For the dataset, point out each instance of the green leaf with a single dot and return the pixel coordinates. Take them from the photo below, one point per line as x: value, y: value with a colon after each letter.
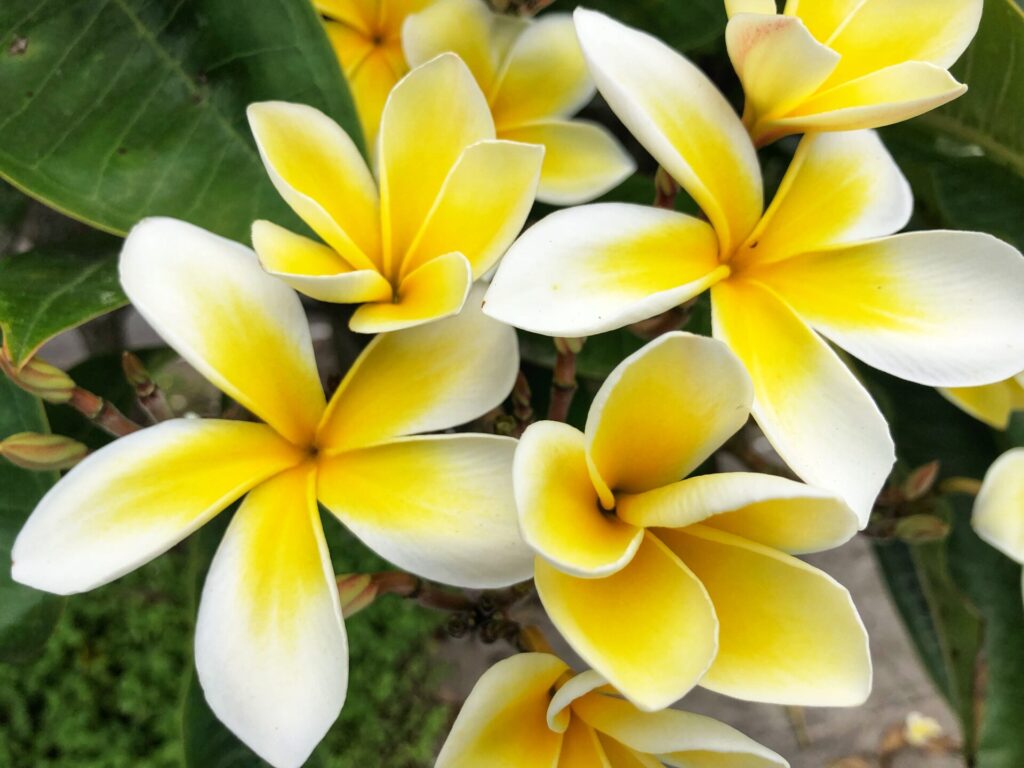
x: 119, y: 109
x: 686, y: 26
x: 53, y: 289
x: 13, y: 205
x: 27, y: 617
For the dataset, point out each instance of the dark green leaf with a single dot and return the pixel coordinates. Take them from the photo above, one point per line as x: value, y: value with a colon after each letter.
x: 686, y: 26
x: 51, y: 290
x: 13, y: 205
x: 119, y: 109
x: 27, y: 617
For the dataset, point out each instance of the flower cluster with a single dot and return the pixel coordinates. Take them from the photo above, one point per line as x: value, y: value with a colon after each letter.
x: 659, y: 573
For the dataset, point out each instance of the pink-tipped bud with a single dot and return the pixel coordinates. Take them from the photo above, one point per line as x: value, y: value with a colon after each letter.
x: 921, y: 481
x: 31, y: 450
x: 921, y: 529
x: 357, y: 591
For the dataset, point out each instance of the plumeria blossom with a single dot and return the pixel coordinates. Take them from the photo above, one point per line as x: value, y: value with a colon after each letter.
x: 999, y: 509
x: 448, y: 201
x: 367, y: 38
x: 939, y: 308
x: 531, y: 711
x: 660, y: 583
x: 535, y: 78
x: 839, y: 65
x: 993, y: 404
x: 271, y: 652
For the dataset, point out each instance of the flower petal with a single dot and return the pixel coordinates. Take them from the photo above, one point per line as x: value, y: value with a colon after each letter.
x: 733, y: 7
x: 503, y: 720
x: 999, y: 509
x: 649, y: 629
x: 137, y: 497
x: 938, y: 308
x: 680, y: 118
x: 789, y: 634
x: 888, y: 96
x: 544, y: 76
x: 840, y: 188
x: 314, y: 269
x: 239, y: 327
x: 778, y: 61
x: 572, y: 689
x: 271, y: 651
x: 878, y: 35
x: 672, y: 733
x: 433, y: 291
x: 768, y: 510
x: 371, y: 77
x: 582, y: 160
x: 822, y: 17
x: 600, y: 267
x: 581, y: 748
x: 811, y: 408
x: 990, y: 403
x: 319, y: 172
x: 462, y: 27
x: 424, y: 379
x: 559, y: 512
x: 664, y: 410
x: 430, y: 118
x: 355, y: 13
x: 441, y: 506
x: 482, y: 206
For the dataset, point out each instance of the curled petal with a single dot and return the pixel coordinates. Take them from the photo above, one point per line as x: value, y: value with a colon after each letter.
x: 999, y: 508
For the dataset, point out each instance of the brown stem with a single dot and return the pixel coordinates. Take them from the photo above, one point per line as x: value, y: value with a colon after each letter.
x: 563, y: 382
x: 150, y: 396
x: 522, y: 408
x: 665, y: 190
x: 426, y: 594
x: 102, y: 413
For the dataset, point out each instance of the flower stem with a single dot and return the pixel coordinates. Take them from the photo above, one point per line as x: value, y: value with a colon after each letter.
x: 150, y: 396
x: 563, y: 382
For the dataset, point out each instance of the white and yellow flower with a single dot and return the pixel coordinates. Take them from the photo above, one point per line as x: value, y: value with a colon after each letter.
x: 271, y: 652
x: 939, y: 308
x: 535, y: 79
x: 367, y: 38
x: 661, y: 583
x: 999, y: 509
x: 993, y: 404
x: 531, y: 711
x: 840, y: 65
x: 448, y: 201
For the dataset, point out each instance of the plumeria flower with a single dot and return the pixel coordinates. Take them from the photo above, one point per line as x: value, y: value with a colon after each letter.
x: 838, y: 65
x: 660, y: 583
x: 938, y: 308
x: 535, y: 78
x: 993, y: 404
x: 449, y: 199
x: 999, y: 509
x: 367, y: 38
x: 531, y: 711
x: 271, y: 652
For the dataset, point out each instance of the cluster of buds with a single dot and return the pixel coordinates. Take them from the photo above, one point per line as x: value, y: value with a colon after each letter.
x: 911, y: 511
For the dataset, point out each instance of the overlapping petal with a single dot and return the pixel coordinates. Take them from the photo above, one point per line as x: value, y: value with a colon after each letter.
x: 503, y: 722
x: 990, y: 403
x: 440, y: 506
x: 210, y: 300
x: 664, y: 410
x: 999, y: 508
x: 839, y: 188
x: 271, y: 651
x: 940, y: 308
x: 357, y: 14
x: 581, y: 748
x: 462, y: 27
x: 318, y: 170
x: 813, y: 411
x: 134, y: 499
x: 822, y: 17
x: 424, y: 379
x: 772, y: 511
x: 733, y: 7
x: 790, y: 634
x: 679, y: 116
x: 600, y: 267
x: 651, y: 644
x: 560, y: 513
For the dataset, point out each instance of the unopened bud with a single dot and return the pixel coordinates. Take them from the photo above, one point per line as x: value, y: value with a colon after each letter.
x: 356, y: 591
x: 136, y: 373
x: 43, y: 380
x: 920, y: 529
x: 31, y: 450
x: 921, y: 481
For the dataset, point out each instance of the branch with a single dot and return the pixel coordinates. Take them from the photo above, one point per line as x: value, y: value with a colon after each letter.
x: 563, y: 381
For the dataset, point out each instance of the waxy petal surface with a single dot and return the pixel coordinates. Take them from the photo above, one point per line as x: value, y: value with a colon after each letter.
x: 440, y: 506
x: 242, y: 329
x: 559, y: 511
x: 789, y: 633
x: 679, y: 116
x: 990, y: 403
x: 424, y: 379
x: 814, y: 412
x: 462, y: 27
x: 999, y: 508
x: 271, y: 650
x: 137, y: 497
x: 581, y: 748
x: 600, y: 267
x: 649, y: 629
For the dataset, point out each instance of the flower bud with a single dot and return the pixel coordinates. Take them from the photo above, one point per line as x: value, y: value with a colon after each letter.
x: 921, y: 481
x: 920, y: 529
x: 357, y: 591
x: 43, y: 380
x: 31, y: 450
